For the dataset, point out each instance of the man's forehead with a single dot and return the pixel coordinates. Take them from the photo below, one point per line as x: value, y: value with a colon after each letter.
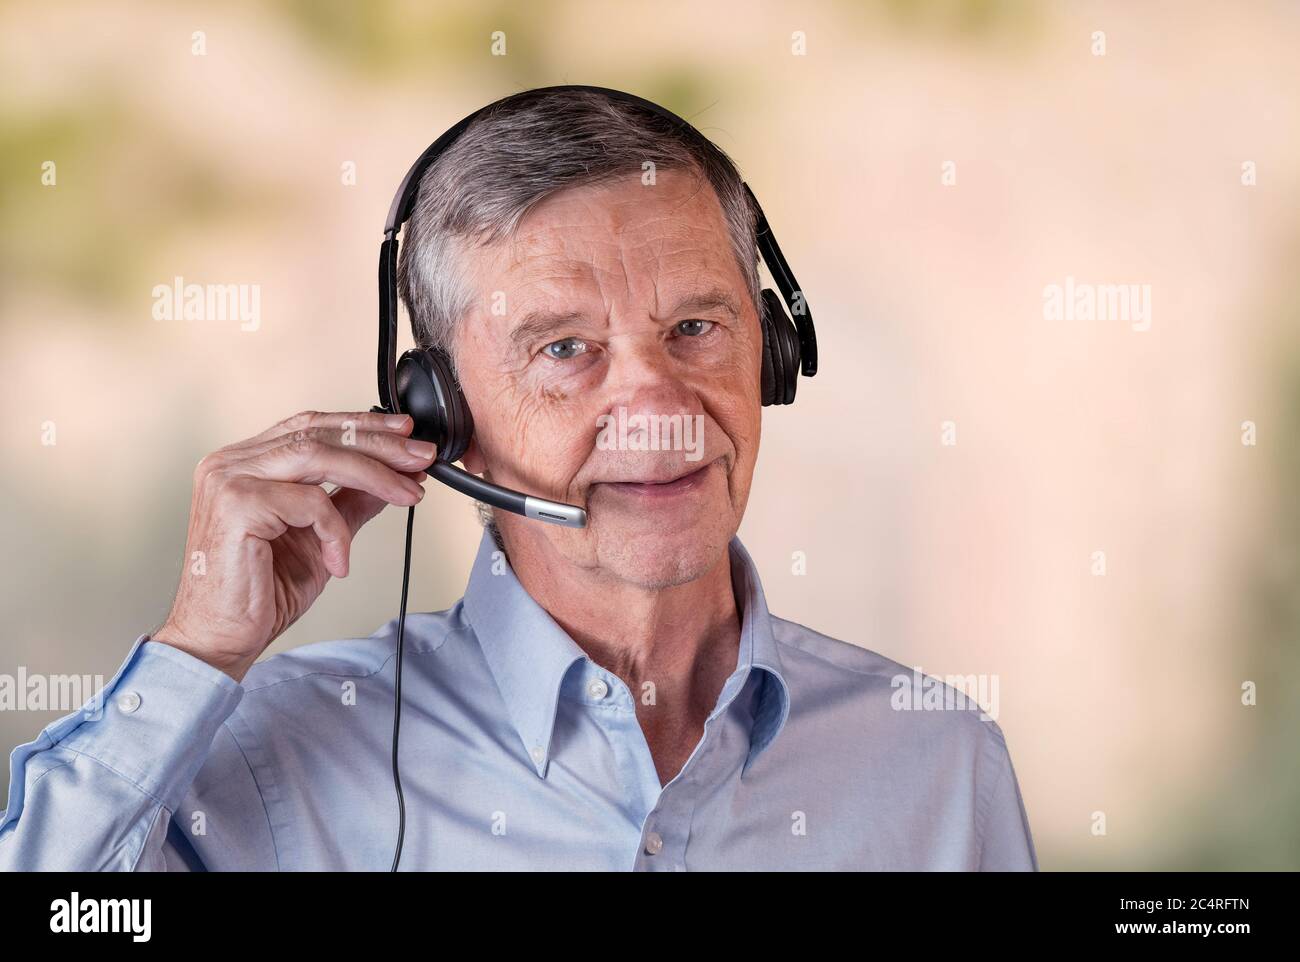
x: 610, y: 263
x: 659, y: 292
x: 573, y: 245
x: 666, y: 244
x: 657, y: 273
x: 676, y: 211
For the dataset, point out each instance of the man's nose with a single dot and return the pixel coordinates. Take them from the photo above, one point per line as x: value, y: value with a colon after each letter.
x: 646, y: 378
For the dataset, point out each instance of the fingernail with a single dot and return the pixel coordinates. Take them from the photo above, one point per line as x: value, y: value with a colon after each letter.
x: 421, y: 449
x: 396, y: 421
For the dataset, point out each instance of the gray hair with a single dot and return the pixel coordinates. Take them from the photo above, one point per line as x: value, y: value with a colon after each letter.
x: 516, y: 154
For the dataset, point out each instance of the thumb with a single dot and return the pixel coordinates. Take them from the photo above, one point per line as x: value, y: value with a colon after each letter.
x: 359, y: 507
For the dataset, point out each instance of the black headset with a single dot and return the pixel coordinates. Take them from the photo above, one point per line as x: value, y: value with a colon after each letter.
x: 421, y: 382
x: 422, y: 385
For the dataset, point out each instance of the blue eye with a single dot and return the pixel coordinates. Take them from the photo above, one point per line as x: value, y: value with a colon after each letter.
x: 565, y: 349
x: 694, y: 328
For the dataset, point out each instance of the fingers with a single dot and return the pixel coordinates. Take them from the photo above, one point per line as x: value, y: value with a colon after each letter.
x: 271, y: 507
x: 369, y: 457
x: 310, y: 461
x: 384, y: 437
x: 360, y: 420
x: 403, y: 454
x: 359, y: 508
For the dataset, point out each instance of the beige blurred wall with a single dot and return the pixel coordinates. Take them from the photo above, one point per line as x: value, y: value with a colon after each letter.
x: 1118, y: 694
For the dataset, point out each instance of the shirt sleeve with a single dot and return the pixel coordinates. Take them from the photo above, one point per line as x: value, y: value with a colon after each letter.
x: 97, y: 789
x: 1006, y: 844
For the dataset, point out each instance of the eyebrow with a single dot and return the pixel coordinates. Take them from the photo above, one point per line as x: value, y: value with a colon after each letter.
x: 715, y: 299
x: 538, y: 323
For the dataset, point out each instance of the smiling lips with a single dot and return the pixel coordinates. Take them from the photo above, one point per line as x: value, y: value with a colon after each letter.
x: 661, y: 489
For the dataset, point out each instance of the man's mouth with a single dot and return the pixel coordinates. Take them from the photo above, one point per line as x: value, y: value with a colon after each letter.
x: 662, y: 489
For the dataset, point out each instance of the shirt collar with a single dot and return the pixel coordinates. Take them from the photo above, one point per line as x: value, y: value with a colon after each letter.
x: 530, y: 655
x: 758, y: 650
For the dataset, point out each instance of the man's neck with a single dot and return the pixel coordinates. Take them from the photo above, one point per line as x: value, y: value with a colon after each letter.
x: 673, y: 647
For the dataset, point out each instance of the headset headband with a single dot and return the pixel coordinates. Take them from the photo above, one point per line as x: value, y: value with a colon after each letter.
x: 400, y: 212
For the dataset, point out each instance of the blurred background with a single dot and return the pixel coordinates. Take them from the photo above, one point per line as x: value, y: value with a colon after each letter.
x: 931, y: 166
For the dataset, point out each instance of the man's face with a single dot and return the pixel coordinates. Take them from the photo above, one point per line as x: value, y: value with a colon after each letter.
x: 616, y: 296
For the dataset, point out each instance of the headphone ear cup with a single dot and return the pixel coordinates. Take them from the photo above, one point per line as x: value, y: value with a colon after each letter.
x: 428, y: 392
x: 780, y: 352
x: 768, y: 380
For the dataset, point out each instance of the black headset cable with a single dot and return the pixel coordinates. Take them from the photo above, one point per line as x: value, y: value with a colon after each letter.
x: 397, y: 689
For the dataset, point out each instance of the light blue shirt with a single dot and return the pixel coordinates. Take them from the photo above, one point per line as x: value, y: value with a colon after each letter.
x: 518, y: 752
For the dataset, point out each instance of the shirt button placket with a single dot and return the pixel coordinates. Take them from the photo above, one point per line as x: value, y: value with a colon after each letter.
x: 676, y: 808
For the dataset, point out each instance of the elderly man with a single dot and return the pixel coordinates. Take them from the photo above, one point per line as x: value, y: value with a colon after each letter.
x: 610, y: 697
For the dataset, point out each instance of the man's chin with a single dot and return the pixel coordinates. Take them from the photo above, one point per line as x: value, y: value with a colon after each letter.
x: 661, y: 555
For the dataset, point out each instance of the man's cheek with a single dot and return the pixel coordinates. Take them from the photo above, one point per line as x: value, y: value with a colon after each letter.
x: 572, y: 450
x: 527, y: 422
x: 737, y: 415
x: 548, y: 443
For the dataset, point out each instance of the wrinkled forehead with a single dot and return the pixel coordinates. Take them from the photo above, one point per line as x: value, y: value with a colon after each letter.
x: 622, y: 230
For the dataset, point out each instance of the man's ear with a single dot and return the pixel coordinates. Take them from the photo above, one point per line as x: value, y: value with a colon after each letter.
x: 473, y: 458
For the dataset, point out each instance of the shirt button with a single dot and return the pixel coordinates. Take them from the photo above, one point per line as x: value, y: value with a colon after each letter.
x: 538, y: 754
x: 654, y: 843
x: 128, y: 701
x: 597, y: 689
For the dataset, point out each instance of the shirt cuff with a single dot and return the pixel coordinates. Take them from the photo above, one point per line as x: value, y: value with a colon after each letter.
x: 155, y: 721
